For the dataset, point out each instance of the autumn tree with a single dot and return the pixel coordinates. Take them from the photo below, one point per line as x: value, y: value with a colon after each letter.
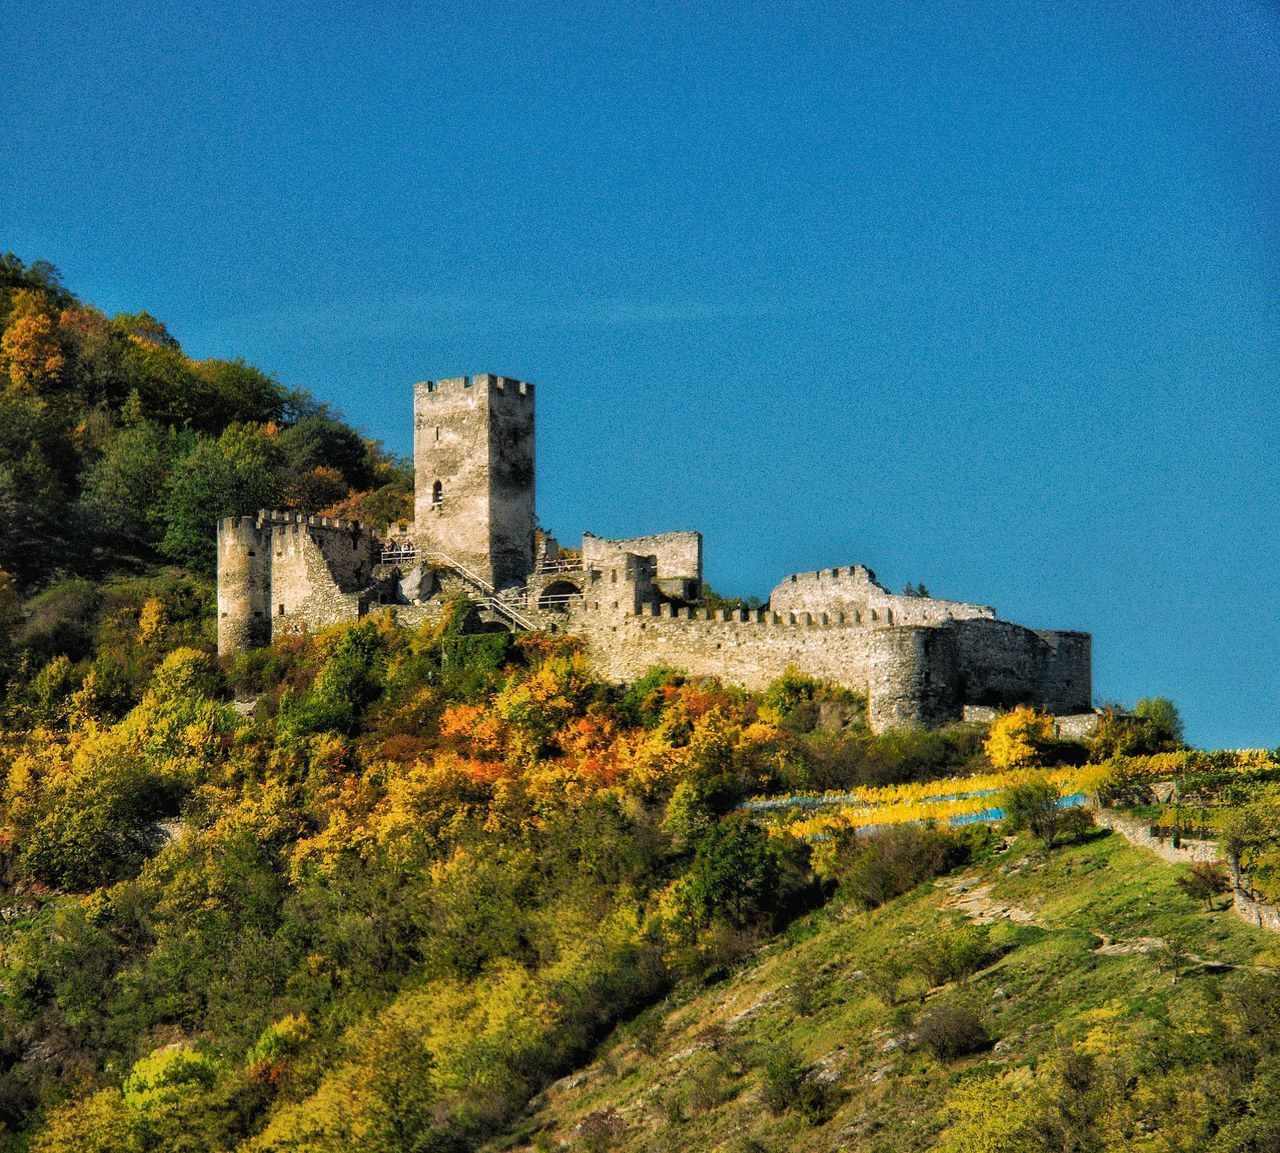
x: 1204, y: 881
x: 32, y: 355
x: 1020, y: 739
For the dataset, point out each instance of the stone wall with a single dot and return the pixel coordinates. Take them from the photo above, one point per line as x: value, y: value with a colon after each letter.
x: 678, y: 554
x: 1138, y: 833
x: 1077, y: 726
x: 912, y: 674
x: 747, y: 648
x: 854, y: 591
x: 281, y: 573
x: 1003, y: 664
x: 318, y: 574
x: 1256, y: 913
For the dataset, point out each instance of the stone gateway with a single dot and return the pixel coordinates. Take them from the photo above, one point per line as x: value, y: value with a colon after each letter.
x: 634, y: 603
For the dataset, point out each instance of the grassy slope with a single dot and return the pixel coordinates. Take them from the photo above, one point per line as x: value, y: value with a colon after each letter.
x: 1075, y: 966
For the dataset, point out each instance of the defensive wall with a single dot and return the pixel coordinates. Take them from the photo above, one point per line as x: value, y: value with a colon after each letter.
x: 281, y: 573
x: 912, y: 674
x: 853, y: 590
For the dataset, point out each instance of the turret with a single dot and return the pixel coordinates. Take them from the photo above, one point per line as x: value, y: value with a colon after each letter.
x: 244, y: 593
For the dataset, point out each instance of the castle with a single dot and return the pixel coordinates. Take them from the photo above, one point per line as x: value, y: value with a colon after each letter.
x: 634, y: 603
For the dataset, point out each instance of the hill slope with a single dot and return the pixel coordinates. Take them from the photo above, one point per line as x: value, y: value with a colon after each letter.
x: 1117, y: 1014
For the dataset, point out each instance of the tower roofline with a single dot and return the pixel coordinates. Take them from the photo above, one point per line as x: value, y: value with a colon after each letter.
x: 484, y: 381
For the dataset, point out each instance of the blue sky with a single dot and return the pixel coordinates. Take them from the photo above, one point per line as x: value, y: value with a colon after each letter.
x: 982, y: 295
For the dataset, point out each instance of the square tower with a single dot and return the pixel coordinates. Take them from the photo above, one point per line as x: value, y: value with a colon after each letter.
x: 473, y: 475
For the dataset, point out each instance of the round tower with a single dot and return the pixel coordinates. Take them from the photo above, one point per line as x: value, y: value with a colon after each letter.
x: 912, y: 678
x: 244, y: 587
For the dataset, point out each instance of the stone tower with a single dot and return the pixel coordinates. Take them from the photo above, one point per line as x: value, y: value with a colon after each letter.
x: 244, y: 584
x: 473, y: 475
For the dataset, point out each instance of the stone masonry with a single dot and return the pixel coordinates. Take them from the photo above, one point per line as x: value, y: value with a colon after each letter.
x: 634, y: 603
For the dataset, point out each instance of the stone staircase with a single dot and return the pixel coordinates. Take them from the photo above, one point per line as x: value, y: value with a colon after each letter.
x: 506, y: 604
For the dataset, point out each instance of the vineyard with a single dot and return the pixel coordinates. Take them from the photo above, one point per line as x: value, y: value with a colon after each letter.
x: 1209, y: 781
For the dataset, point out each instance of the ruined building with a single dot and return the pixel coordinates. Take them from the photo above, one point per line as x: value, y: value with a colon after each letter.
x: 634, y: 603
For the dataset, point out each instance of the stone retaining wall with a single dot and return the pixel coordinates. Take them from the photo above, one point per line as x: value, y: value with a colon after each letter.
x: 1257, y: 913
x: 1139, y: 834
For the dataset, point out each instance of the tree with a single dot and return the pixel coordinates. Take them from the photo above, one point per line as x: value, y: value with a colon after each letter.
x: 237, y: 391
x: 1034, y: 806
x: 1247, y: 831
x: 1020, y: 739
x: 1204, y: 881
x: 229, y: 477
x: 122, y: 490
x: 735, y: 872
x: 201, y: 489
x: 32, y: 355
x: 1163, y: 720
x: 320, y: 441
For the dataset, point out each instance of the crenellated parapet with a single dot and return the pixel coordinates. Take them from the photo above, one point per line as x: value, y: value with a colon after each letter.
x: 913, y: 673
x: 288, y: 572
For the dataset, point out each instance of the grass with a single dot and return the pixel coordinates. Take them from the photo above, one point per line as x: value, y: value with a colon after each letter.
x: 688, y: 1074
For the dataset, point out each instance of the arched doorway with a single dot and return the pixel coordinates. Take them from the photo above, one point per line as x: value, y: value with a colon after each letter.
x: 559, y: 597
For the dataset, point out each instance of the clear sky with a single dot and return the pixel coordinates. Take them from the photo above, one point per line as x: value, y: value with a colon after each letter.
x: 982, y: 295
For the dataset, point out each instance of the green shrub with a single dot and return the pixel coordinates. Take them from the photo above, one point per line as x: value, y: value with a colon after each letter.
x: 951, y: 1030
x: 950, y: 956
x: 872, y: 868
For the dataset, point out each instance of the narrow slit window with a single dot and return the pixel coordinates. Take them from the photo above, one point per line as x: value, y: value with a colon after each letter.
x: 437, y: 494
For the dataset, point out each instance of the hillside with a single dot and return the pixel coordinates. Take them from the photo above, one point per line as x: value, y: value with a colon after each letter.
x: 116, y: 448
x: 1076, y: 1001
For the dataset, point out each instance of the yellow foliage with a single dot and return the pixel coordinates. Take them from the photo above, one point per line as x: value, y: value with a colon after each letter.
x: 152, y: 621
x: 31, y: 354
x: 1019, y: 738
x: 992, y: 1115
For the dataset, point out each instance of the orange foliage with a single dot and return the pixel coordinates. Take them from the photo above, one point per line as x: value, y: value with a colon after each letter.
x: 32, y: 355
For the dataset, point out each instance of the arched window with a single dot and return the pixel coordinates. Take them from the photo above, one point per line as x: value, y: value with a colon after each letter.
x: 437, y: 494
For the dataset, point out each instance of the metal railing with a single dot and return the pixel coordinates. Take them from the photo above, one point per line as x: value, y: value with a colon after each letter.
x: 573, y: 564
x: 557, y: 601
x: 493, y: 601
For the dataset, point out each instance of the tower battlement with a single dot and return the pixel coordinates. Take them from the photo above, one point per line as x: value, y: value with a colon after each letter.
x: 484, y: 381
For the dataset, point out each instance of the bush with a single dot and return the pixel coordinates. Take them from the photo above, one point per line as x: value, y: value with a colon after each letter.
x: 949, y: 1031
x: 601, y: 1131
x: 870, y: 869
x: 1033, y: 805
x: 783, y: 1073
x: 834, y: 760
x: 950, y: 956
x: 787, y: 1085
x: 1020, y: 739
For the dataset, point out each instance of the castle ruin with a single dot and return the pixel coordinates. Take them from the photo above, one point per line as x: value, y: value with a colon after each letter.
x: 634, y: 603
